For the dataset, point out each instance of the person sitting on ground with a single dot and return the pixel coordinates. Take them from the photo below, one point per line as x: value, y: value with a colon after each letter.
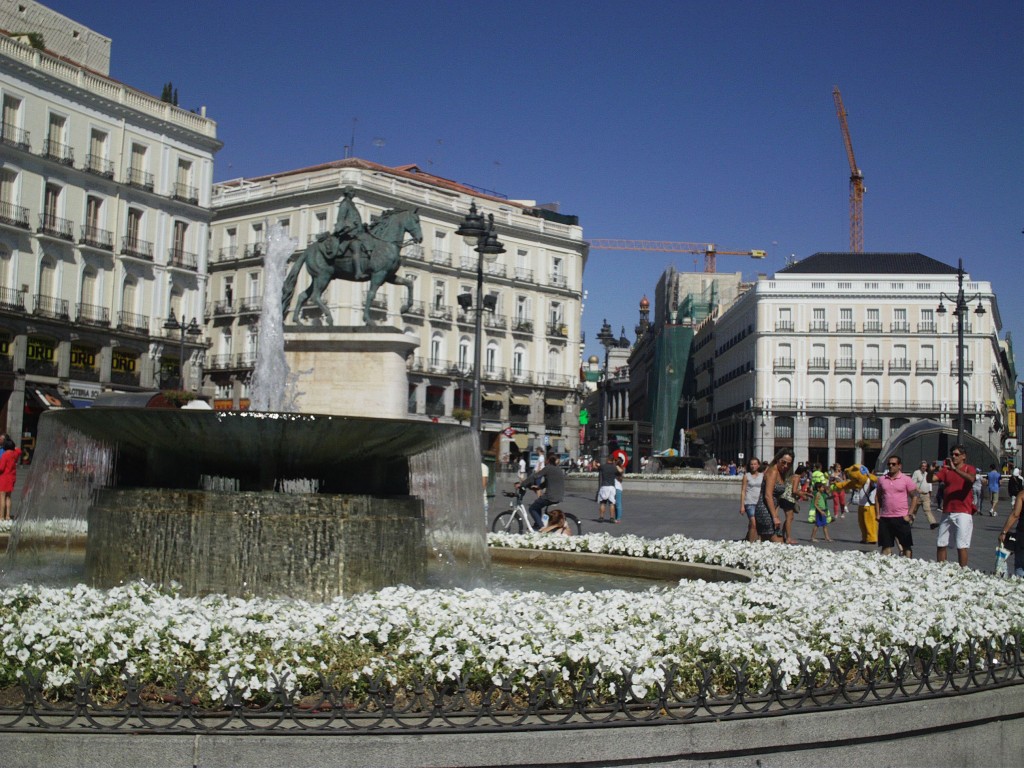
x: 557, y: 523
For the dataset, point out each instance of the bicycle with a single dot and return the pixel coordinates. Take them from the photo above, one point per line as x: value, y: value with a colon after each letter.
x: 516, y: 518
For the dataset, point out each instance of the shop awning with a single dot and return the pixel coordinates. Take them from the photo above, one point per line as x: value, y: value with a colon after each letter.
x: 45, y: 398
x: 492, y: 396
x: 520, y: 400
x: 553, y: 402
x: 521, y: 440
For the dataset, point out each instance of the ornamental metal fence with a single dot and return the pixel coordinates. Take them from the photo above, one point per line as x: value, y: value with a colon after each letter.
x: 694, y: 693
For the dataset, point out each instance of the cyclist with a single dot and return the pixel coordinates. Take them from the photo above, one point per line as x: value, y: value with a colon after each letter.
x: 552, y: 477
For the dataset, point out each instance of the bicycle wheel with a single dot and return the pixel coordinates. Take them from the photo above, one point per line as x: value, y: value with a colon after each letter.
x: 577, y: 526
x: 507, y: 522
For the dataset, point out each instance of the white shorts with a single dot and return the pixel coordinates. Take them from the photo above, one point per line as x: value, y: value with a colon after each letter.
x: 961, y: 524
x: 607, y: 493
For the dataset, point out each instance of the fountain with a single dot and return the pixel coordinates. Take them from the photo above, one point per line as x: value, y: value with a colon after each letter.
x: 264, y: 502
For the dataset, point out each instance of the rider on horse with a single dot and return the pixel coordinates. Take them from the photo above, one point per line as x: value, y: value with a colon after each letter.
x: 348, y: 229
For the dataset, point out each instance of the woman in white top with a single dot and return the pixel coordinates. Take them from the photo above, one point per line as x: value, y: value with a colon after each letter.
x: 750, y: 491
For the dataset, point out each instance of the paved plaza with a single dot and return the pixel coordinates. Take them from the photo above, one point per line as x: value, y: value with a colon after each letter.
x: 661, y: 514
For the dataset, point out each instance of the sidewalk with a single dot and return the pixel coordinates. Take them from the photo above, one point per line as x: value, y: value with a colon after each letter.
x: 654, y: 515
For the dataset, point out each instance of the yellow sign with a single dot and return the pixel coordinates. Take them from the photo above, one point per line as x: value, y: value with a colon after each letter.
x: 83, y: 358
x: 40, y: 349
x: 1011, y: 422
x: 123, y: 363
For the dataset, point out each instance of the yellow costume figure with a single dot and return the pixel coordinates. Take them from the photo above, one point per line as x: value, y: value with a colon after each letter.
x: 858, y: 477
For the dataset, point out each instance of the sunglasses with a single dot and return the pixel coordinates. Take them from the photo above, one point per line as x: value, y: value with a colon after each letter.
x: 894, y: 464
x: 956, y: 453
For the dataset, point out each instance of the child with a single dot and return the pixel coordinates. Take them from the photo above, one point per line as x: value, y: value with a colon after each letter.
x: 821, y: 514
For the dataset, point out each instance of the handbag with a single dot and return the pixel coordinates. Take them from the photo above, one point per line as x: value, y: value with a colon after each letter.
x: 787, y: 501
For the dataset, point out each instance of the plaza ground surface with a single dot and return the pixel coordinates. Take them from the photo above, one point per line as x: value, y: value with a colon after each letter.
x: 654, y: 515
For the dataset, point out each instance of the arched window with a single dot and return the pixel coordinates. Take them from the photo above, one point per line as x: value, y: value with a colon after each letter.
x: 927, y: 389
x: 784, y: 390
x: 491, y: 358
x: 436, y: 350
x: 783, y: 428
x: 818, y: 393
x: 817, y: 428
x: 518, y: 361
x: 554, y: 362
x: 465, y: 356
x: 872, y: 392
x: 128, y: 293
x: 6, y: 264
x: 899, y: 393
x: 845, y: 393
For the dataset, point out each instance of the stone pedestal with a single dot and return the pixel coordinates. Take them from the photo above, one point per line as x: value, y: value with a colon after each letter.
x: 350, y: 371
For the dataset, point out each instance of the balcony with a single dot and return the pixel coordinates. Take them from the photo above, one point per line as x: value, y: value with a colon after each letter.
x: 228, y: 253
x: 901, y: 365
x: 464, y: 318
x: 97, y: 165
x: 784, y: 325
x: 140, y: 179
x: 495, y: 322
x: 558, y: 329
x: 185, y: 193
x: 558, y: 281
x: 221, y: 308
x: 15, y: 137
x: 968, y: 368
x: 12, y: 299
x: 54, y: 226
x: 819, y: 326
x: 522, y: 377
x: 231, y: 361
x: 927, y: 366
x: 493, y: 372
x: 494, y: 268
x: 416, y: 309
x: 928, y: 327
x: 61, y: 153
x: 846, y: 326
x: 444, y: 258
x: 91, y: 314
x: 872, y: 366
x: 526, y: 275
x: 899, y: 326
x: 872, y: 326
x: 818, y: 365
x: 968, y: 328
x: 846, y: 365
x: 522, y: 326
x: 415, y: 253
x: 250, y: 305
x: 137, y: 249
x: 176, y: 257
x: 783, y: 364
x: 95, y: 237
x: 14, y: 215
x: 254, y: 251
x: 129, y: 321
x: 440, y: 312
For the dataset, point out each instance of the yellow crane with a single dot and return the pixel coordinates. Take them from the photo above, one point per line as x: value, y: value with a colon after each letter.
x: 709, y: 250
x: 856, y: 180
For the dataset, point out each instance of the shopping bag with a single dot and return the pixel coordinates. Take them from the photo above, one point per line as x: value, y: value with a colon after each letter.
x: 1002, y: 561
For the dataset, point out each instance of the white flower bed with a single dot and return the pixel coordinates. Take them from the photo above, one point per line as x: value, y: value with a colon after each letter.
x: 803, y: 602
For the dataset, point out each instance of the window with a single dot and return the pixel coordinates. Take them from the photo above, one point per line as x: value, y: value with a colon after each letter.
x: 51, y: 205
x: 137, y: 174
x: 557, y: 273
x: 93, y: 206
x: 871, y: 353
x: 11, y: 115
x: 555, y: 313
x: 89, y: 286
x: 178, y: 238
x: 229, y: 289
x: 554, y: 362
x: 286, y: 227
x: 134, y: 228
x: 491, y: 357
x: 8, y: 190
x: 927, y: 353
x: 846, y: 315
x: 55, y: 135
x: 436, y: 348
x: 321, y: 222
x: 464, y: 354
x: 522, y: 309
x: 518, y: 360
x: 184, y: 174
x: 439, y: 294
x: 254, y: 285
x: 96, y: 160
x: 257, y: 238
x: 846, y: 351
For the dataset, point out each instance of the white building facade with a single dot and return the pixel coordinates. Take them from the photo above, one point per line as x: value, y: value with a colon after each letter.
x: 837, y: 352
x: 104, y: 224
x: 531, y: 346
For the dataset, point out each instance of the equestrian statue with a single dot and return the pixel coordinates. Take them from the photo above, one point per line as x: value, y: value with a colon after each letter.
x: 354, y: 252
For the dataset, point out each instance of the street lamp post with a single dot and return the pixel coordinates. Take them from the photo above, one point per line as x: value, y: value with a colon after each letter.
x: 959, y: 311
x: 485, y: 242
x: 192, y: 329
x: 607, y: 339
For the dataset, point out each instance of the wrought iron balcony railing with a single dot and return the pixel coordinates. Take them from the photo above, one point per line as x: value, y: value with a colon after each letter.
x: 91, y: 314
x: 183, y: 259
x: 129, y: 321
x: 14, y: 215
x: 13, y: 136
x: 55, y: 226
x: 61, y: 153
x: 97, y: 237
x: 99, y: 166
x: 185, y: 193
x: 136, y: 248
x: 141, y: 179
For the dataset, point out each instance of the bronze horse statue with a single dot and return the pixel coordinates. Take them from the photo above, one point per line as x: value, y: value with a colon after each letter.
x: 383, y: 240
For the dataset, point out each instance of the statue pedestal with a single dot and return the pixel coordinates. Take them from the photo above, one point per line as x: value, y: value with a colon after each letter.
x: 350, y: 371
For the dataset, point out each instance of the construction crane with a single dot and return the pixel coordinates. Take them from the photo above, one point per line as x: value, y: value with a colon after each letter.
x: 856, y: 180
x: 709, y: 250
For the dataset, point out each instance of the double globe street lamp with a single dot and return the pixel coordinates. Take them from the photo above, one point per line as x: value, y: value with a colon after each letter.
x: 959, y: 312
x: 191, y: 330
x: 481, y: 235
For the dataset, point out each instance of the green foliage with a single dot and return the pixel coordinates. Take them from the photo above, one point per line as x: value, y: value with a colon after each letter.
x: 169, y: 93
x: 35, y: 39
x: 461, y: 414
x: 178, y: 396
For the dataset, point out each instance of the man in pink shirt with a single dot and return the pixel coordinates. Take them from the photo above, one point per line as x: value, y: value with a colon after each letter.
x: 897, y: 499
x: 957, y: 477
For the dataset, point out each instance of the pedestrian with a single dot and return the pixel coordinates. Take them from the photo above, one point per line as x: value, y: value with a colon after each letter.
x: 750, y: 492
x: 835, y: 477
x: 8, y: 475
x: 620, y: 474
x: 994, y: 476
x: 769, y: 511
x: 799, y: 491
x: 521, y: 467
x: 821, y: 515
x: 606, y: 476
x: 957, y: 478
x: 924, y: 489
x: 1014, y: 485
x: 1015, y: 518
x: 897, y: 497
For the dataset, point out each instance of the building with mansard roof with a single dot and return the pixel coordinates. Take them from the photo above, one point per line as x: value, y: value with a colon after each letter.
x: 104, y: 223
x: 531, y: 345
x: 835, y: 353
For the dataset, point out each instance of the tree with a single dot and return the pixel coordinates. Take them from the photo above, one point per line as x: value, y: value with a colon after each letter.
x: 169, y: 93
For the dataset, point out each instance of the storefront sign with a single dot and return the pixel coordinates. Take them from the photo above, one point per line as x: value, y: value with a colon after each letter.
x: 41, y: 350
x: 122, y: 363
x: 83, y: 358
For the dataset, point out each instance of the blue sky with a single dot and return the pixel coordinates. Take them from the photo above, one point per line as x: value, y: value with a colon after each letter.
x: 688, y: 121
